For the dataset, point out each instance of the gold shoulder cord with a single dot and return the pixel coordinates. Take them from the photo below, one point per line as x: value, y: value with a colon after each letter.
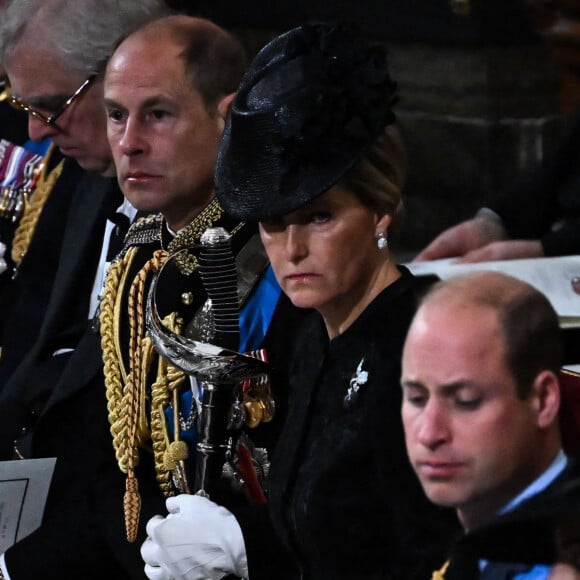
x: 127, y: 389
x: 115, y: 374
x: 440, y: 574
x: 33, y: 207
x: 165, y: 390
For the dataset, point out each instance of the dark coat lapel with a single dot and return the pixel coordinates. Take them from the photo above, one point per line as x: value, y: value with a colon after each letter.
x: 97, y: 199
x: 83, y: 366
x: 94, y: 199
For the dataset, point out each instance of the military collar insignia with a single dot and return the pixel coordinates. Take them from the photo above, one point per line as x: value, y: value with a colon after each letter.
x: 146, y: 230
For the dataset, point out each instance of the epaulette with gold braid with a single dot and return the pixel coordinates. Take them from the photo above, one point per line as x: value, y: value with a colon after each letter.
x: 145, y: 230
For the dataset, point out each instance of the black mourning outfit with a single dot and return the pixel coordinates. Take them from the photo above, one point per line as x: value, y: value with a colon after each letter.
x: 344, y: 499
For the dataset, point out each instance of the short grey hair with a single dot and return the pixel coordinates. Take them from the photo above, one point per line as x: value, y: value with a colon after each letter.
x: 81, y: 34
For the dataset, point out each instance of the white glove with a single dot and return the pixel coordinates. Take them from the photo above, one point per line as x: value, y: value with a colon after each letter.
x: 198, y: 540
x: 3, y: 568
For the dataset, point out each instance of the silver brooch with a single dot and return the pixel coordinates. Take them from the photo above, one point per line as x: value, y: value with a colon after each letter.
x: 359, y: 378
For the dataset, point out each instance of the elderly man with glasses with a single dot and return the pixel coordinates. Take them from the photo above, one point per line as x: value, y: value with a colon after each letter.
x: 52, y: 400
x: 51, y: 119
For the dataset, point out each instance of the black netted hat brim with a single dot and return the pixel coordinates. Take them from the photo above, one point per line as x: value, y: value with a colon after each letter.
x: 294, y: 131
x: 255, y: 180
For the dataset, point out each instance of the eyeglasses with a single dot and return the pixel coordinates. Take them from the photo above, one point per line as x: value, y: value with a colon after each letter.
x: 52, y: 118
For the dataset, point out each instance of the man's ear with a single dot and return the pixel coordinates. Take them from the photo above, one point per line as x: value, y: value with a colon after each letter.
x: 223, y: 107
x: 546, y: 398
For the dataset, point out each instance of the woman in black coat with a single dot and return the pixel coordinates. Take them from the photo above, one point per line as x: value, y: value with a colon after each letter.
x: 311, y: 153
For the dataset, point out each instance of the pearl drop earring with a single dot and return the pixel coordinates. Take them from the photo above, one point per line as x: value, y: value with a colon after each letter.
x: 382, y: 242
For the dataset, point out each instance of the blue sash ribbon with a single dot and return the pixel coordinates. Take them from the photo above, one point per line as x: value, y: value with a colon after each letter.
x: 255, y: 318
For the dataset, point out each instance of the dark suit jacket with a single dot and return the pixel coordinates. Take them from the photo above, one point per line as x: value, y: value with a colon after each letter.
x: 524, y: 537
x: 59, y: 402
x: 24, y: 296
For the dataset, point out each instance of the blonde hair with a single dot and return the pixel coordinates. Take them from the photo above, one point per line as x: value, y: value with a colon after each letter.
x: 378, y: 179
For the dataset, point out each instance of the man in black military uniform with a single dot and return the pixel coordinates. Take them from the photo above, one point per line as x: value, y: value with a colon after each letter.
x: 168, y: 87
